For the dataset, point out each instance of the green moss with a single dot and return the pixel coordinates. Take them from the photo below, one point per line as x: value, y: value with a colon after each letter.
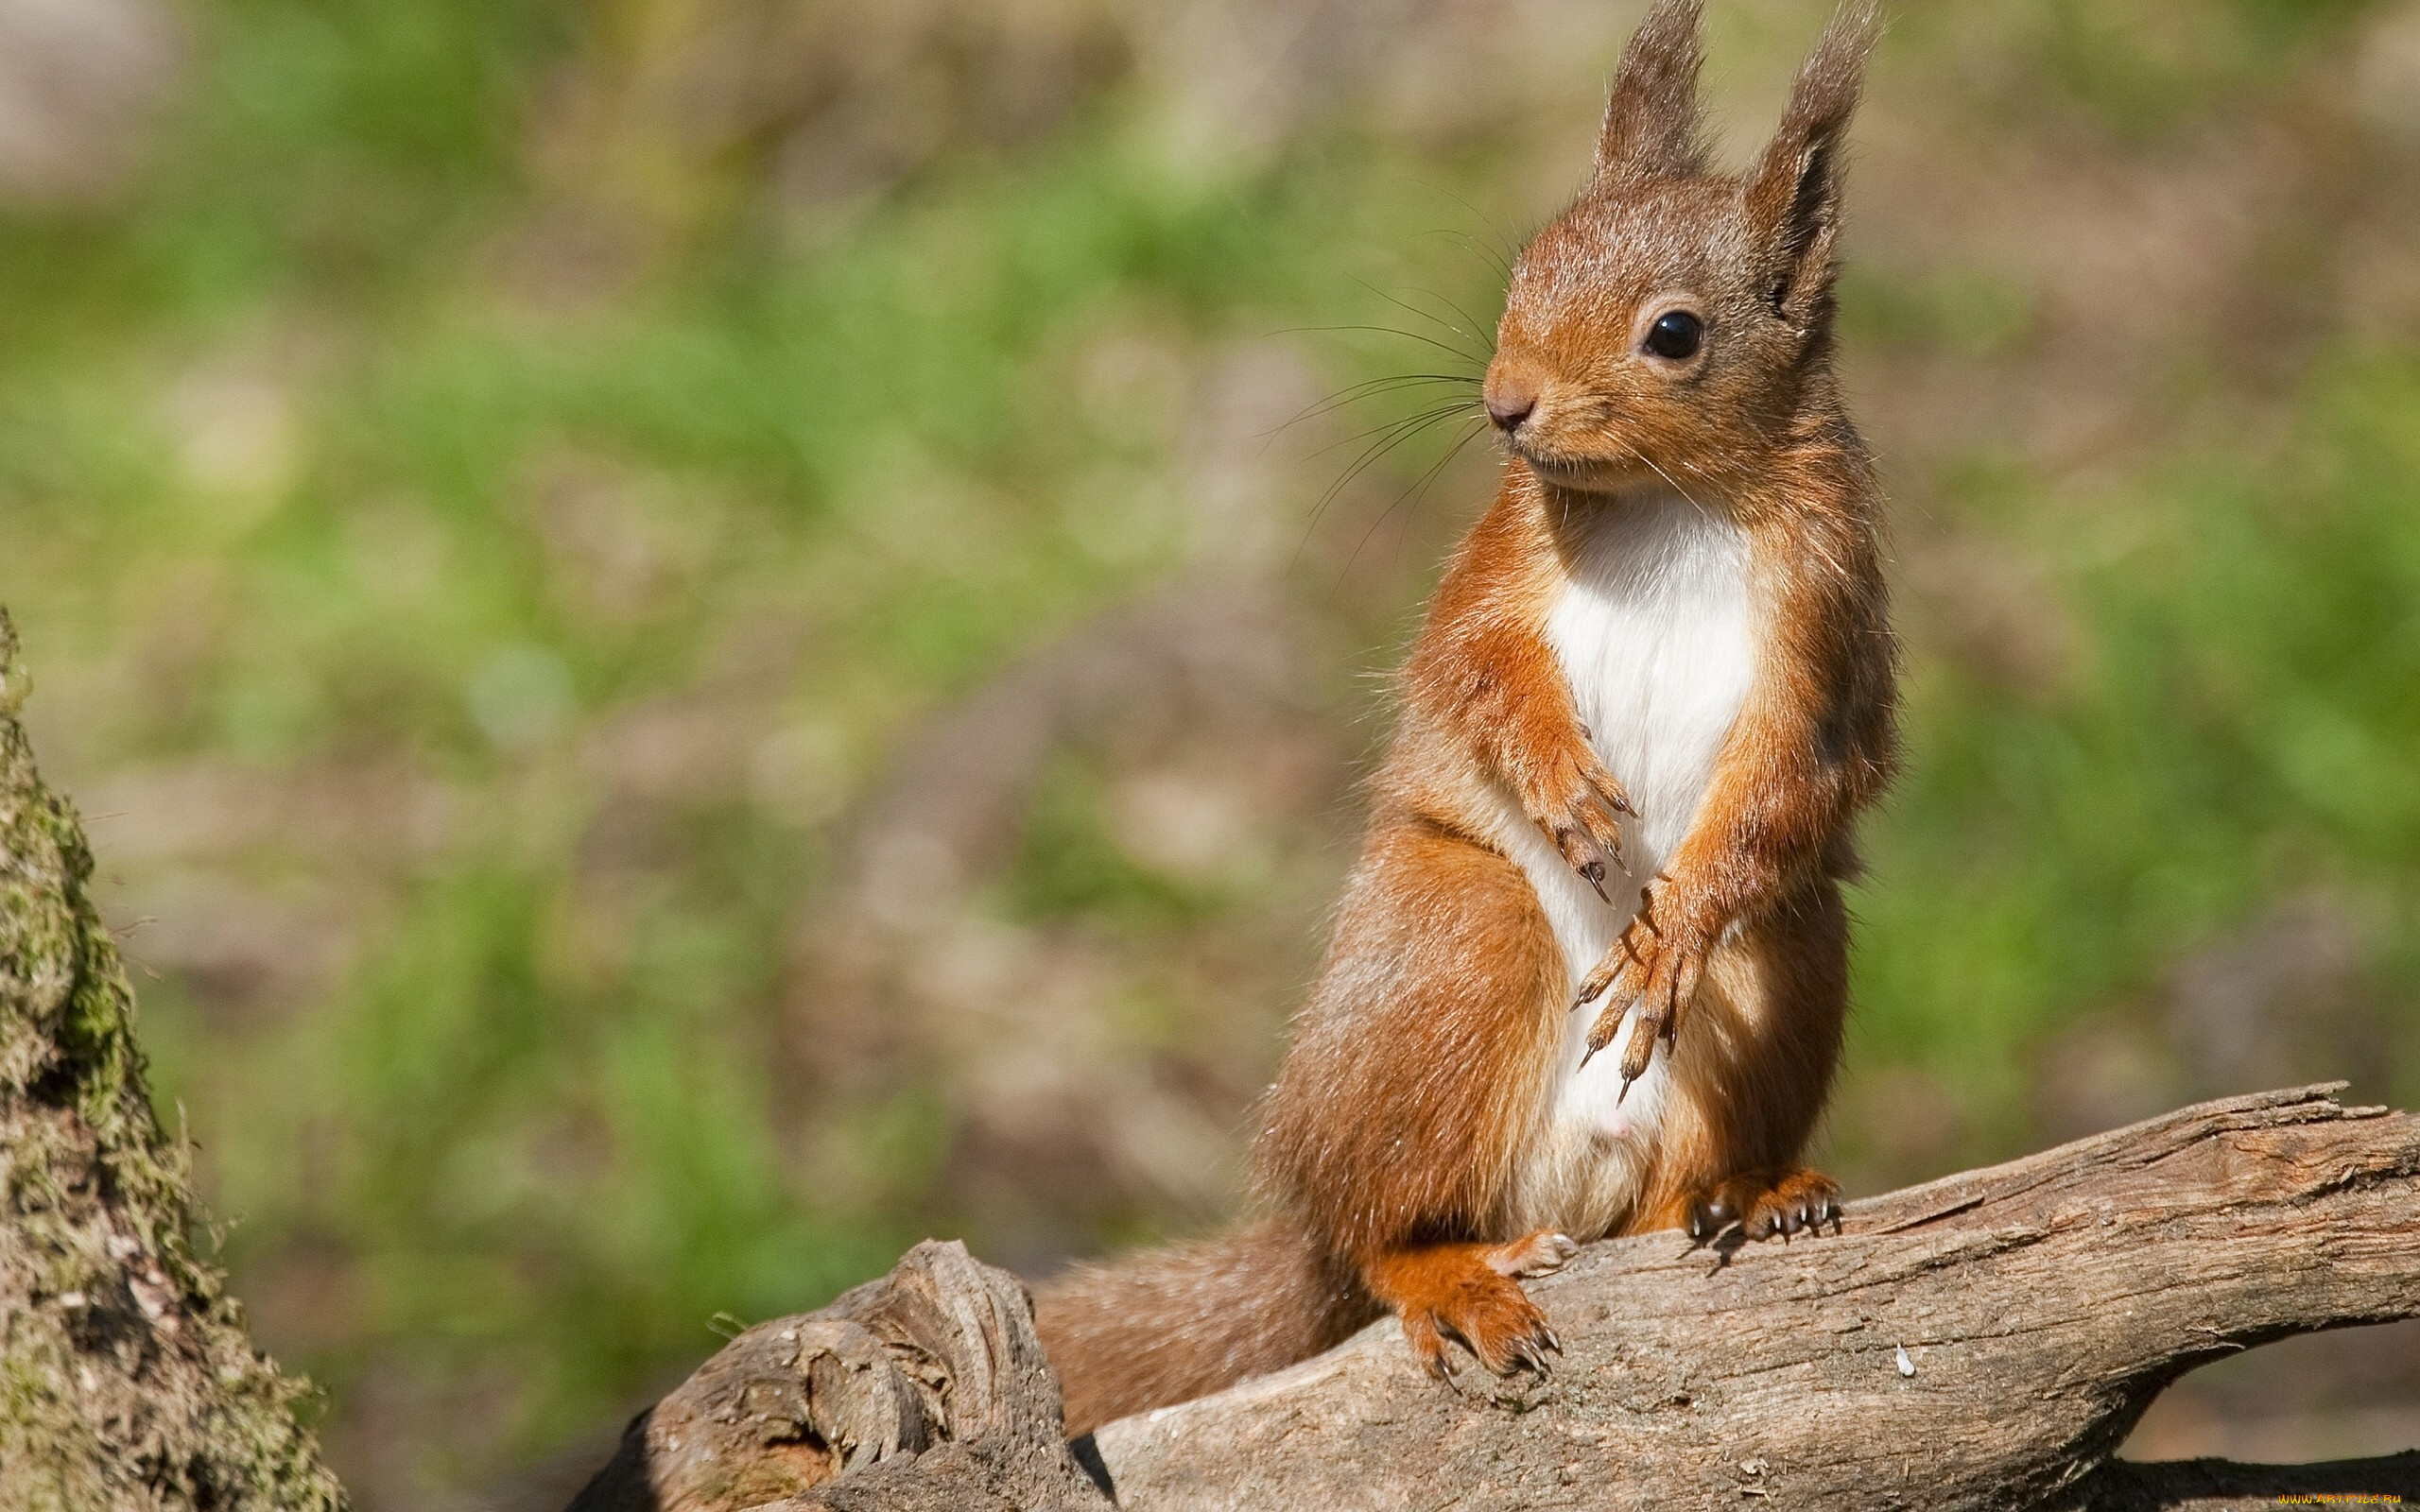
x: 126, y: 1377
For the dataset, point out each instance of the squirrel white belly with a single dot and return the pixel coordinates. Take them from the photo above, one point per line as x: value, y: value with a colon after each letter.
x: 1655, y: 635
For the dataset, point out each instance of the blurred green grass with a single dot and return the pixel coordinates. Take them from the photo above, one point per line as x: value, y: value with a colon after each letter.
x: 2240, y: 729
x: 279, y: 432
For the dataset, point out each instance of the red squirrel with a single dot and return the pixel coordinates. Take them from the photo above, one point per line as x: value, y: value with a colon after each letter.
x: 1653, y: 693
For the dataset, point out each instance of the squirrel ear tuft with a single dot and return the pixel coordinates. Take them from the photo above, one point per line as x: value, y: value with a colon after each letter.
x: 1652, y: 123
x: 1793, y: 193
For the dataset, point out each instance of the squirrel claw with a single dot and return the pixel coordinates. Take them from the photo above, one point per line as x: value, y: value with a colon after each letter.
x: 1589, y: 855
x: 1641, y: 1051
x: 1600, y: 1034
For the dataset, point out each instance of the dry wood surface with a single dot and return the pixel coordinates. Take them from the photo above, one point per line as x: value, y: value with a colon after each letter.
x: 1984, y: 1341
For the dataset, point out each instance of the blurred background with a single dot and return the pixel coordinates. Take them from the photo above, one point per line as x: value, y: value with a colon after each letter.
x: 701, y: 637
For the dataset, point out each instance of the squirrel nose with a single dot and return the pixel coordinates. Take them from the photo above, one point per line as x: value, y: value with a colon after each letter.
x: 1509, y: 401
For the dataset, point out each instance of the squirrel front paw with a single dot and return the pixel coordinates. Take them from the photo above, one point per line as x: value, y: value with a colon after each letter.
x: 1657, y: 964
x: 1574, y: 800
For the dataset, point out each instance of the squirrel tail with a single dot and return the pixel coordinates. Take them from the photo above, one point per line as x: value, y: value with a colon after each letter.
x: 1168, y: 1325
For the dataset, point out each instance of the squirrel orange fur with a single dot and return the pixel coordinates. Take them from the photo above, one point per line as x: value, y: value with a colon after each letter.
x: 1653, y: 693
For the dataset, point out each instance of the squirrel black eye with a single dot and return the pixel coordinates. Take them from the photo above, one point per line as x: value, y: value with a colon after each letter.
x: 1675, y: 336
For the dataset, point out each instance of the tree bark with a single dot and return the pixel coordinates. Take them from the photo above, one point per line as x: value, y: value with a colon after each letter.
x: 127, y: 1379
x: 1983, y: 1342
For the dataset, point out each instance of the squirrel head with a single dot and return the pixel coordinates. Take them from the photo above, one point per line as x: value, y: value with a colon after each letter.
x: 1671, y: 322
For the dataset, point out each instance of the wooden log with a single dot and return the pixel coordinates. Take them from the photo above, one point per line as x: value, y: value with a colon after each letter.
x: 925, y: 1391
x: 1983, y: 1342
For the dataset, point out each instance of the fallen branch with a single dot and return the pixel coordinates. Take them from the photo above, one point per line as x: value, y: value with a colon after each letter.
x: 925, y: 1389
x: 1985, y: 1341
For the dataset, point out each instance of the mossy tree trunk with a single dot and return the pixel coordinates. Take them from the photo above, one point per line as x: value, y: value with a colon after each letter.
x: 127, y: 1379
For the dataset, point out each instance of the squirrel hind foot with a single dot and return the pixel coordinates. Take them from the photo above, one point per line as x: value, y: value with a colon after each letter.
x: 1761, y: 1204
x: 1471, y: 1294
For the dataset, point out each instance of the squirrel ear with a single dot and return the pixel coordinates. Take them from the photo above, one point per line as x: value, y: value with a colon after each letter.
x: 1793, y: 193
x: 1653, y: 118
